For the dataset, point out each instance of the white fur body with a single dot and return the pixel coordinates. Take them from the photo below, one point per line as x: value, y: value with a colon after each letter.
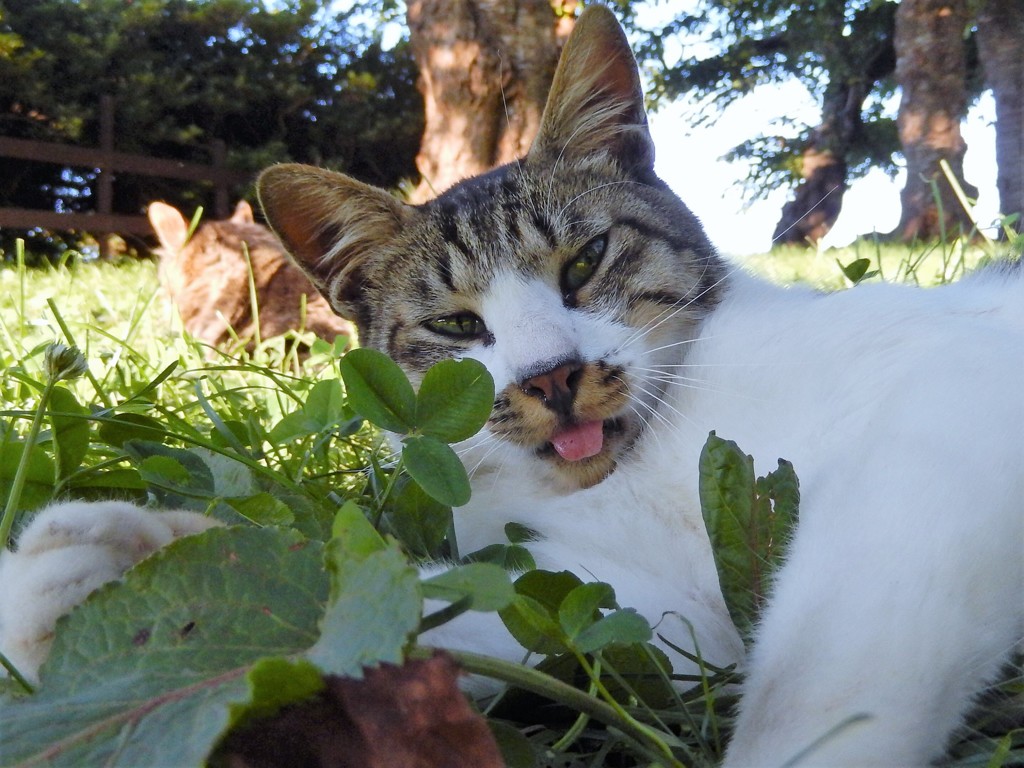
x: 903, y: 591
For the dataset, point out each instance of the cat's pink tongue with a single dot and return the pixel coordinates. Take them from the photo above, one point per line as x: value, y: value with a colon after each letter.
x: 580, y: 441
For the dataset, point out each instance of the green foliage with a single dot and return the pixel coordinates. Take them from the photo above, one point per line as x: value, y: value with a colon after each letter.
x: 316, y: 560
x: 313, y: 575
x: 453, y: 403
x: 275, y: 80
x: 178, y: 637
x: 749, y: 521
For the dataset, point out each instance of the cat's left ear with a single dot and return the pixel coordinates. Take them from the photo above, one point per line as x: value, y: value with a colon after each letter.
x: 596, y: 103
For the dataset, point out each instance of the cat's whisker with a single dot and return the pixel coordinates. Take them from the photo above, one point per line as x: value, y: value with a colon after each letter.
x: 680, y: 343
x: 653, y: 410
x: 806, y: 213
x: 474, y: 442
x: 504, y: 100
x: 487, y: 454
x: 663, y: 375
x: 645, y: 421
x: 673, y: 311
x: 656, y: 395
x: 697, y: 385
x: 595, y: 189
x: 710, y: 365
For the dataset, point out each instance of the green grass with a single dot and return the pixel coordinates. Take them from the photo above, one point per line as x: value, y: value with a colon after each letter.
x: 147, y: 382
x: 927, y: 265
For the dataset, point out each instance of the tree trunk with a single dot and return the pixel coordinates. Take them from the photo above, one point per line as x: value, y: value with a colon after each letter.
x: 856, y: 63
x: 1000, y: 32
x: 931, y: 70
x: 485, y: 70
x: 819, y: 197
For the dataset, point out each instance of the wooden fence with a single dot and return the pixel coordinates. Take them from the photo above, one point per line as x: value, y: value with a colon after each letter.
x: 108, y: 163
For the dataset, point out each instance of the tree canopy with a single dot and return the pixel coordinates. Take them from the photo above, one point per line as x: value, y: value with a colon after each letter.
x: 276, y: 81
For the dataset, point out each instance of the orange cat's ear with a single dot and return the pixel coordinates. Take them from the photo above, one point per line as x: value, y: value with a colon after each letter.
x: 170, y: 226
x: 596, y: 103
x: 243, y: 213
x: 331, y: 224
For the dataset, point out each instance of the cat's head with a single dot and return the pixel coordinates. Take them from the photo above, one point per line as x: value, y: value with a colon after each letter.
x: 574, y: 275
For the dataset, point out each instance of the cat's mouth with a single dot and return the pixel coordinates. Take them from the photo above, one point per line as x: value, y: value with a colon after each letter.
x: 587, y: 452
x: 581, y: 441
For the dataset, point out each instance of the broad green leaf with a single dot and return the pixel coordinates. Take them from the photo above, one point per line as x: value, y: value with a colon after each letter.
x: 619, y: 627
x: 41, y: 472
x: 109, y: 479
x: 532, y: 618
x: 646, y: 671
x: 748, y: 521
x: 291, y: 426
x: 517, y: 533
x: 455, y: 400
x: 581, y: 607
x: 435, y: 466
x: 353, y: 539
x: 512, y: 557
x: 70, y: 430
x: 531, y: 623
x: 238, y: 434
x: 230, y: 476
x: 275, y: 683
x: 172, y: 486
x: 783, y: 487
x: 857, y: 270
x: 517, y: 751
x: 325, y: 404
x: 146, y: 672
x: 487, y: 586
x: 122, y: 427
x: 419, y: 521
x: 373, y: 617
x: 262, y: 509
x: 378, y: 390
x: 726, y: 483
x: 354, y: 534
x: 164, y: 472
x: 549, y: 588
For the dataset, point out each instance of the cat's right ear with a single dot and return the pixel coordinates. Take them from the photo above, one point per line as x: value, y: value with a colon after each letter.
x: 596, y: 103
x: 332, y: 226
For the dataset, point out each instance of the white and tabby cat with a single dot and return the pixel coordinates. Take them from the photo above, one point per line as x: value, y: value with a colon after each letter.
x: 617, y: 339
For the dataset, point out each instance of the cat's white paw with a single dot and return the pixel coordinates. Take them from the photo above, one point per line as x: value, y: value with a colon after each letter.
x: 66, y: 552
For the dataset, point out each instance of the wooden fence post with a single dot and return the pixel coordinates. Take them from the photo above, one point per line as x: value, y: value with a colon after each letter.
x: 221, y: 201
x: 105, y: 177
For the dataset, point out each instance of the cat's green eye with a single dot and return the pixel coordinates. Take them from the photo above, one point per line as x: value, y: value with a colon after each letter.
x: 462, y: 325
x: 583, y: 265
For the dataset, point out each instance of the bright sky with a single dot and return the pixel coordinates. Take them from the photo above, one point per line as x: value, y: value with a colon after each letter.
x: 690, y: 160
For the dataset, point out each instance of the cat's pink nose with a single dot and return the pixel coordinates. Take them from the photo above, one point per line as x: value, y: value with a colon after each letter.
x: 557, y: 387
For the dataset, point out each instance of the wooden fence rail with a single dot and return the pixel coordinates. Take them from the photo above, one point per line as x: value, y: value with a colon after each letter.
x: 109, y: 162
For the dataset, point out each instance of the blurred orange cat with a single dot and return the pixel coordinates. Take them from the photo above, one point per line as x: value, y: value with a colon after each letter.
x: 207, y: 279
